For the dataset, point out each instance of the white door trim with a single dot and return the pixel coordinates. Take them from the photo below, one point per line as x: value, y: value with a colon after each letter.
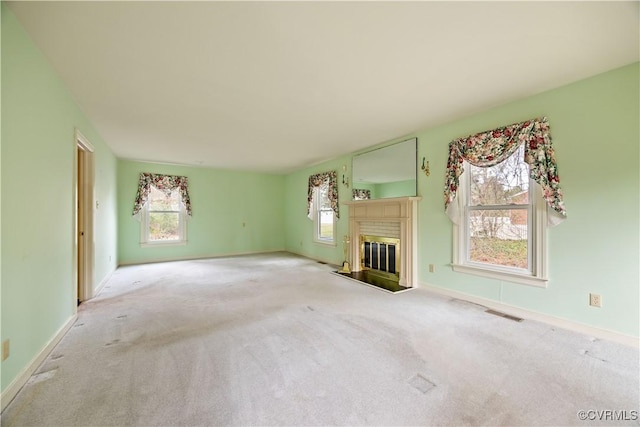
x: 84, y: 244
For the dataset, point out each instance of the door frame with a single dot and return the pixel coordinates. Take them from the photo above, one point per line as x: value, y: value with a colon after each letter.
x: 83, y: 237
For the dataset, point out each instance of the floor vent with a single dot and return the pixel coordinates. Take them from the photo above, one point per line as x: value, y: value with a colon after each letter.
x: 506, y: 316
x: 421, y: 383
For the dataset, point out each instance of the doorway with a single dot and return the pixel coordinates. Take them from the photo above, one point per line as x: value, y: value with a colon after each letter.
x: 84, y: 219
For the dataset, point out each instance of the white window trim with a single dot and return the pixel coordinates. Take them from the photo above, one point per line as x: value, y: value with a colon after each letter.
x: 537, y: 243
x: 316, y: 222
x: 144, y: 229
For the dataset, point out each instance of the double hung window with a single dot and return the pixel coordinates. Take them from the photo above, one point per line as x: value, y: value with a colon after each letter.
x: 323, y: 216
x: 322, y: 206
x: 162, y: 206
x: 163, y: 218
x: 501, y: 232
x: 502, y: 191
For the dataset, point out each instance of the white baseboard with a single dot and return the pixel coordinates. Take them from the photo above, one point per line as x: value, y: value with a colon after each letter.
x: 189, y: 258
x: 315, y: 258
x: 103, y: 282
x: 12, y: 390
x: 540, y: 317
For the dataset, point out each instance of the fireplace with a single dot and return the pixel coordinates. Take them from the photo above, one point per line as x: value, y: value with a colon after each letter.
x: 383, y: 235
x: 381, y: 254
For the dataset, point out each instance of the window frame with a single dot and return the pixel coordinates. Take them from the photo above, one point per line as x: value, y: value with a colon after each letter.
x: 317, y: 222
x: 145, y: 223
x: 536, y: 275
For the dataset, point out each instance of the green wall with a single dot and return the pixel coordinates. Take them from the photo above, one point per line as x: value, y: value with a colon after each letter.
x: 594, y: 124
x: 233, y: 213
x: 396, y: 189
x: 39, y: 118
x: 595, y: 130
x: 373, y: 188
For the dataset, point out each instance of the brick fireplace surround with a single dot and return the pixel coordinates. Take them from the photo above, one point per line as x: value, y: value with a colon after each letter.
x: 397, y: 218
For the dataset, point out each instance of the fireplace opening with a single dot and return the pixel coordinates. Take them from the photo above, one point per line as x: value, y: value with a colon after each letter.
x: 379, y: 263
x: 380, y: 254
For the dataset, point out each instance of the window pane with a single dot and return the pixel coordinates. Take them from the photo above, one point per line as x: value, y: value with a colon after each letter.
x: 323, y: 197
x: 499, y: 237
x: 502, y: 184
x: 325, y: 223
x: 158, y: 201
x: 164, y: 226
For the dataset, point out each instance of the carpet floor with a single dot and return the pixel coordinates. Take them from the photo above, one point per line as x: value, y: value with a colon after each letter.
x: 278, y: 340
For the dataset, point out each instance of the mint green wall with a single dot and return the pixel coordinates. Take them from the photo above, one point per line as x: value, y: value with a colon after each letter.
x: 39, y: 118
x: 233, y: 213
x: 299, y: 228
x: 371, y: 187
x: 595, y: 131
x: 595, y: 128
x: 396, y: 189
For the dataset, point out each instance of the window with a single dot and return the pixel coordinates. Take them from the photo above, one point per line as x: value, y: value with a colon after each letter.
x: 324, y: 223
x: 163, y: 218
x: 501, y: 232
x: 322, y: 206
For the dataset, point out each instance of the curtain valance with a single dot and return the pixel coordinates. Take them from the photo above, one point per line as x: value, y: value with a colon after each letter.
x: 164, y: 183
x: 361, y: 194
x: 325, y: 178
x: 491, y: 147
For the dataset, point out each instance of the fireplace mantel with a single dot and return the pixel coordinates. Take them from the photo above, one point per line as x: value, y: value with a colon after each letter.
x: 400, y: 210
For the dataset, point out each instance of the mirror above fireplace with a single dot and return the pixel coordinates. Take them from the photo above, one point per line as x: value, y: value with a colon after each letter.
x: 386, y: 172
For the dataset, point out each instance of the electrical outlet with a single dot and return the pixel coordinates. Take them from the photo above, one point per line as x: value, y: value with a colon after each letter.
x: 595, y: 300
x: 5, y: 349
x: 432, y: 268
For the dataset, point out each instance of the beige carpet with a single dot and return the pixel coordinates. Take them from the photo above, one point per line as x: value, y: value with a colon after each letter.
x: 278, y: 340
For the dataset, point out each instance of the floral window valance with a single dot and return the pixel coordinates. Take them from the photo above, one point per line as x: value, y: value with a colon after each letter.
x: 491, y: 147
x: 325, y: 178
x: 361, y: 194
x: 164, y: 183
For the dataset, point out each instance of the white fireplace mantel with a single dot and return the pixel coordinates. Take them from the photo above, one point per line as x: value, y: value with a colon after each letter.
x: 399, y: 210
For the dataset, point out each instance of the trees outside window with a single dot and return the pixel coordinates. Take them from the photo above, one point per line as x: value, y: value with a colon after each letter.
x: 163, y: 218
x: 323, y: 216
x: 501, y: 230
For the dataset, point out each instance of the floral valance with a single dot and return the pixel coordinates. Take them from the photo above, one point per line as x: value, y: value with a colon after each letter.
x: 491, y: 147
x: 361, y: 194
x: 325, y: 178
x: 164, y: 183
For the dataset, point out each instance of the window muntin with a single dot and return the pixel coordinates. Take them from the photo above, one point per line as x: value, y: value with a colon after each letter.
x: 500, y: 233
x: 164, y: 219
x: 497, y: 213
x: 323, y: 216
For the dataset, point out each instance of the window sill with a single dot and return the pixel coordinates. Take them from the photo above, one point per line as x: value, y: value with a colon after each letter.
x: 325, y: 243
x: 501, y: 275
x: 162, y: 244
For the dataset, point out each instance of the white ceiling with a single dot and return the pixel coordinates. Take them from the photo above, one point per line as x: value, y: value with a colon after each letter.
x: 276, y: 86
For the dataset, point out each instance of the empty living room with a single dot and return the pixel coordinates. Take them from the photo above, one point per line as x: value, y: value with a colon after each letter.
x: 320, y: 213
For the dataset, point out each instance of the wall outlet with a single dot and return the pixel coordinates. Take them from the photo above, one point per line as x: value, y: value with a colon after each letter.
x: 432, y: 268
x: 5, y: 349
x: 595, y: 300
